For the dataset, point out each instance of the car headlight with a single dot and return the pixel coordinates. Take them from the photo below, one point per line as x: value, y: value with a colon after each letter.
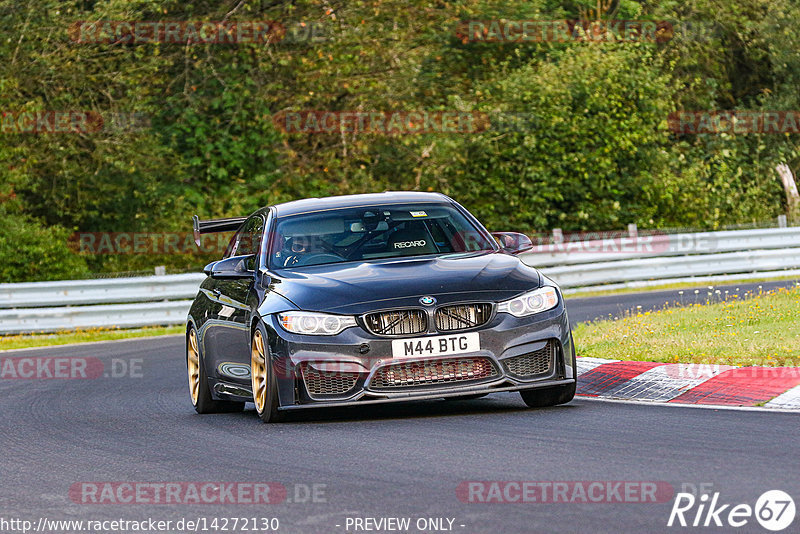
x: 538, y: 300
x: 315, y: 324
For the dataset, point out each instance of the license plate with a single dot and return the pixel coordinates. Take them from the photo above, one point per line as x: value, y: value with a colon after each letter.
x: 421, y: 347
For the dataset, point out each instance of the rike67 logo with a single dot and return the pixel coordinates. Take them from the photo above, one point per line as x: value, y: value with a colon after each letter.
x: 774, y: 510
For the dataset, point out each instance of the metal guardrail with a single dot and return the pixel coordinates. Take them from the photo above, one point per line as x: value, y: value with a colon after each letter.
x: 103, y: 291
x: 105, y: 316
x: 754, y: 261
x: 622, y: 247
x: 165, y: 300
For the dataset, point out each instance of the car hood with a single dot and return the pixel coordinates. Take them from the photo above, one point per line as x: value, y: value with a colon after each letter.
x: 355, y: 288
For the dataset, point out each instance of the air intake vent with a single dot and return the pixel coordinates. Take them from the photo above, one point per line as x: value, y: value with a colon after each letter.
x: 397, y: 323
x: 462, y: 316
x: 327, y: 383
x: 433, y: 372
x: 535, y: 363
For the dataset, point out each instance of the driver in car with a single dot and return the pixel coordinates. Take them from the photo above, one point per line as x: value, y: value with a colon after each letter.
x: 296, y: 247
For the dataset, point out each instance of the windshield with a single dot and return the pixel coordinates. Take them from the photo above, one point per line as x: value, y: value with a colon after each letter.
x: 374, y: 232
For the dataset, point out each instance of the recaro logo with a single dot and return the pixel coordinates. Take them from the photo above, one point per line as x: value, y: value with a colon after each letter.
x: 408, y: 244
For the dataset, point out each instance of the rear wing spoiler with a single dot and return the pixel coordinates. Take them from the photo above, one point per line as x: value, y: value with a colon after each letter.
x: 213, y: 226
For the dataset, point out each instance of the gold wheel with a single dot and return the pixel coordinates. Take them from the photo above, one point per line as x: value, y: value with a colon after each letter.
x: 193, y: 366
x: 258, y: 371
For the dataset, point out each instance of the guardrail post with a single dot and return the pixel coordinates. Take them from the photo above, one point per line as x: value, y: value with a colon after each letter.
x: 558, y: 236
x: 633, y: 231
x: 782, y: 221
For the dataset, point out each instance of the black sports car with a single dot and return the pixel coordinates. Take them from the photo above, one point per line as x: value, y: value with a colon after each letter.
x: 373, y: 298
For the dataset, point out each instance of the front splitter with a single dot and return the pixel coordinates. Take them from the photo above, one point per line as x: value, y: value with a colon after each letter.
x: 401, y: 397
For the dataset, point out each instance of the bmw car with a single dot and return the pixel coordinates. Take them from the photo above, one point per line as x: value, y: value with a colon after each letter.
x: 369, y: 299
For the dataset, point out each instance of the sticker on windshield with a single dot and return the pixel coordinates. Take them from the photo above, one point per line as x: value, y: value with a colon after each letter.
x: 418, y: 214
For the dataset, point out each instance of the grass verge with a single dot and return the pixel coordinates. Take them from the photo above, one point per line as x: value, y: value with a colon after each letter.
x: 25, y: 341
x: 761, y: 330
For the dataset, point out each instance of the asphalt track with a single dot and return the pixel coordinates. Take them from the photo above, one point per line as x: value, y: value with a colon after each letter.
x: 382, y: 461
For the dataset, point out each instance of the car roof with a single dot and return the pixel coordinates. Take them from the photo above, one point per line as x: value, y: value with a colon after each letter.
x: 351, y: 201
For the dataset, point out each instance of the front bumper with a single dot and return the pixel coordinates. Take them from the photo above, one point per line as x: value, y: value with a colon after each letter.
x: 361, y: 356
x: 453, y: 392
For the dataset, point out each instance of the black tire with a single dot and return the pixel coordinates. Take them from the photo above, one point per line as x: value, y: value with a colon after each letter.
x: 541, y: 398
x: 261, y: 372
x: 203, y: 402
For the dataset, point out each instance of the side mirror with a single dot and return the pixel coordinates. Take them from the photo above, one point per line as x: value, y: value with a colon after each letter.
x: 237, y: 267
x: 513, y: 242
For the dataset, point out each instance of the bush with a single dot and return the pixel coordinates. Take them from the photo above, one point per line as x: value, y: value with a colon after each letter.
x: 33, y: 252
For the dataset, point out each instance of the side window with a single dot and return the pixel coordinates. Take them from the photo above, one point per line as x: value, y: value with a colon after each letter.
x: 250, y: 236
x: 231, y: 246
x: 247, y: 240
